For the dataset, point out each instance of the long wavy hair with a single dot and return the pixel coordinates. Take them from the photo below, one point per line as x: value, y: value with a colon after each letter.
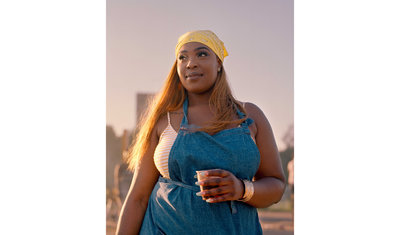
x: 171, y: 98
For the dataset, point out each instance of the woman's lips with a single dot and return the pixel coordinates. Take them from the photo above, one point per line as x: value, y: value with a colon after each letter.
x: 193, y: 76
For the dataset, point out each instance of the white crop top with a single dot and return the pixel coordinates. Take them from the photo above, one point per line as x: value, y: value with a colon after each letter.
x: 164, y: 146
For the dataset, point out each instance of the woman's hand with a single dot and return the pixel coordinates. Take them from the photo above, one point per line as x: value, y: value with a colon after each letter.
x: 226, y: 187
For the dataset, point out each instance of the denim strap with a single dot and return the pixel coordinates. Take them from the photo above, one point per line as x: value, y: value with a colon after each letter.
x: 191, y: 187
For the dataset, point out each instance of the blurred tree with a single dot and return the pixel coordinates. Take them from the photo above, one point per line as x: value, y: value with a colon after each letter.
x: 287, y: 154
x: 113, y: 155
x: 288, y: 138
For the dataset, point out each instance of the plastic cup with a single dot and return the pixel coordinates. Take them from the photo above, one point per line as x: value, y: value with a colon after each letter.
x: 200, y: 177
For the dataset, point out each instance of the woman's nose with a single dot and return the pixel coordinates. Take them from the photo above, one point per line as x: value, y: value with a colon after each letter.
x: 192, y: 63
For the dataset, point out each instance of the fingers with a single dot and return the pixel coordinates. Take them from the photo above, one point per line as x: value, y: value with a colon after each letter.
x: 218, y: 185
x: 220, y: 198
x: 215, y: 181
x: 217, y: 172
x: 215, y: 192
x: 214, y: 177
x: 221, y: 193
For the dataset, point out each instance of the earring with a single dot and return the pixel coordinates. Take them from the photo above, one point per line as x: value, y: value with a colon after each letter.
x: 219, y: 69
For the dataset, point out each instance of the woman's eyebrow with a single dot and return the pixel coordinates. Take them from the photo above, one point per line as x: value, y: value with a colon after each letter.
x: 199, y: 48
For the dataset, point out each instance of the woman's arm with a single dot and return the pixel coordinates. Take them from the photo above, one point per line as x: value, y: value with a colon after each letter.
x: 269, y: 182
x: 143, y: 181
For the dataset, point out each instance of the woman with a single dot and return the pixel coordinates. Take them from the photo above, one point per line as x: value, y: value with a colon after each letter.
x: 196, y: 124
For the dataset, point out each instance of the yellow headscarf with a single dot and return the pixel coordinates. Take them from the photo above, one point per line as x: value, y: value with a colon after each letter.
x: 206, y: 37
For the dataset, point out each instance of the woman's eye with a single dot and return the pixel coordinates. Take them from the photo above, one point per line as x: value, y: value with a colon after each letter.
x: 181, y: 57
x: 202, y: 54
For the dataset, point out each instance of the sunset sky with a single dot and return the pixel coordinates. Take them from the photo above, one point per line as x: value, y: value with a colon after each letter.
x: 141, y: 38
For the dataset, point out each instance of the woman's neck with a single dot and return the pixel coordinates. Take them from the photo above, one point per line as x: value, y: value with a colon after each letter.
x: 199, y: 99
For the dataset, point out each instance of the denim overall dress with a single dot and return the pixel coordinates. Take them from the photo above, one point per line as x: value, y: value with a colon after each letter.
x: 173, y: 206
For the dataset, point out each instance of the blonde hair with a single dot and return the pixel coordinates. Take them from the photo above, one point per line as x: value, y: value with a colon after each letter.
x: 171, y: 98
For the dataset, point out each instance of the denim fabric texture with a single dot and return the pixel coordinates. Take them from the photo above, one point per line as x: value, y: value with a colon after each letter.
x: 173, y: 206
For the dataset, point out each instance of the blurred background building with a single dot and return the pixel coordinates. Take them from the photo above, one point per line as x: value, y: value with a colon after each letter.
x: 118, y: 177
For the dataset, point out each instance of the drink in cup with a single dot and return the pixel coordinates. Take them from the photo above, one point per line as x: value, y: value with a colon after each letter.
x: 201, y: 177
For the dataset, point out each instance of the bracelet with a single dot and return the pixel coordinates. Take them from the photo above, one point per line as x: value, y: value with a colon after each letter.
x: 244, y: 190
x: 248, y: 191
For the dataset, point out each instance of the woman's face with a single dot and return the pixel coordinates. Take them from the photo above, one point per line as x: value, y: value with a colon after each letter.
x: 197, y: 67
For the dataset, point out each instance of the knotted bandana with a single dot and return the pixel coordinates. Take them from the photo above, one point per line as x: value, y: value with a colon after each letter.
x: 205, y: 37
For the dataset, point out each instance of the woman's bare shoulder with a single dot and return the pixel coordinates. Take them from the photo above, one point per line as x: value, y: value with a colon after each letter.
x: 253, y: 111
